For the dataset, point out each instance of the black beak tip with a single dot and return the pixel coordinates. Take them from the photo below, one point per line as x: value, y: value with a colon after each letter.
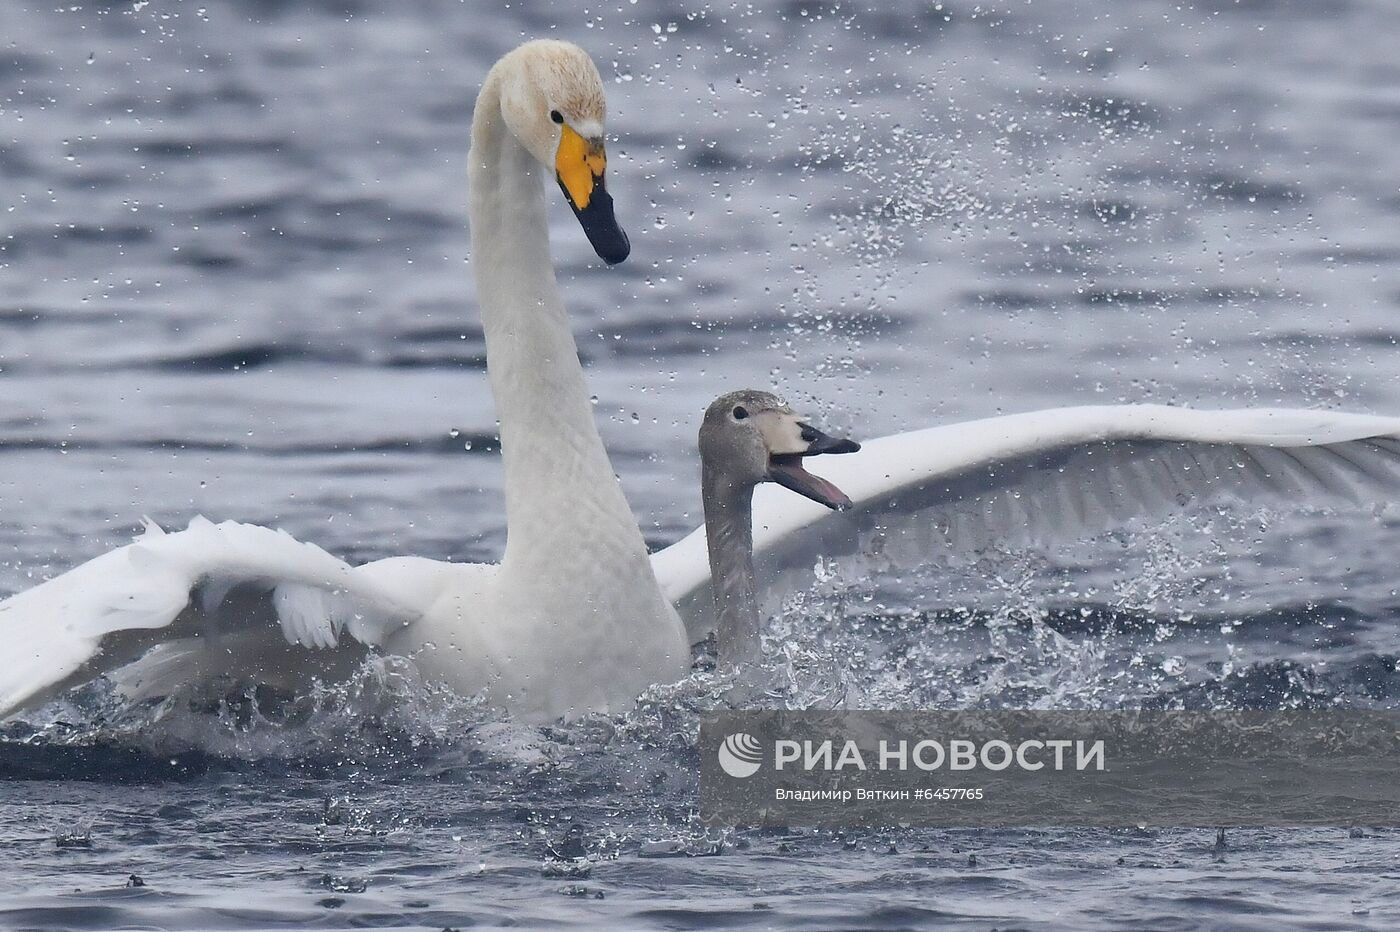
x: 819, y: 443
x: 830, y: 445
x: 600, y: 225
x: 614, y: 248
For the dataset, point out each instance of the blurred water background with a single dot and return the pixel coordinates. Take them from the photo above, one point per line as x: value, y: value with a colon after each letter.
x: 234, y: 282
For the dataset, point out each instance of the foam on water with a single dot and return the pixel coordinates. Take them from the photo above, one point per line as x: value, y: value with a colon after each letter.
x: 391, y: 802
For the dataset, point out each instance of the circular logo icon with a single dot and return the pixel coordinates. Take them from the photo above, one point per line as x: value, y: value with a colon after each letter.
x: 740, y: 755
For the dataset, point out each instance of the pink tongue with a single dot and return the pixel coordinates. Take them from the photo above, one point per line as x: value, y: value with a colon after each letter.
x: 817, y: 485
x: 829, y: 490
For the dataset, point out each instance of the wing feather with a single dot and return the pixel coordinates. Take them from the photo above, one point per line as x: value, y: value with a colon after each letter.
x: 103, y: 613
x: 1043, y: 476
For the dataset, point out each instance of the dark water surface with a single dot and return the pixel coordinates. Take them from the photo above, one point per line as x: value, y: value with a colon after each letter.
x: 234, y: 281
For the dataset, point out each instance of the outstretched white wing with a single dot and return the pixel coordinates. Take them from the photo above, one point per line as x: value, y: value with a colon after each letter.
x: 106, y: 612
x: 1064, y: 472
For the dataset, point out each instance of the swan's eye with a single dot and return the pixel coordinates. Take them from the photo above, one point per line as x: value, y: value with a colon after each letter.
x: 556, y: 116
x: 740, y: 412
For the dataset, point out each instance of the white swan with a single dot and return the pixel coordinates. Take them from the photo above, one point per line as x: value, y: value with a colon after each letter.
x: 576, y: 617
x: 571, y: 620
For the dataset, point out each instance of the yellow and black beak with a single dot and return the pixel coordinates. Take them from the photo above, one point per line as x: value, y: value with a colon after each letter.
x: 579, y: 166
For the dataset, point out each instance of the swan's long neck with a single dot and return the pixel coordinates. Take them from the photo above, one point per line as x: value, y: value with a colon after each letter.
x: 729, y: 534
x: 557, y: 476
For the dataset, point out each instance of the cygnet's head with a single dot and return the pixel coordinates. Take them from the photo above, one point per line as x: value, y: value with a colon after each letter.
x: 749, y: 437
x: 552, y: 102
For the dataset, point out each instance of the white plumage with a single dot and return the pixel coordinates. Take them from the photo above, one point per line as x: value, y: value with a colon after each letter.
x: 109, y: 606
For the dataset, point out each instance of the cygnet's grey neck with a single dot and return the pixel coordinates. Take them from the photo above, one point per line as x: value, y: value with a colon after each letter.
x: 729, y: 534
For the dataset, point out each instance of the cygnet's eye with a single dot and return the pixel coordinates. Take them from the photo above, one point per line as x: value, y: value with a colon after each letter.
x: 556, y: 116
x: 740, y: 412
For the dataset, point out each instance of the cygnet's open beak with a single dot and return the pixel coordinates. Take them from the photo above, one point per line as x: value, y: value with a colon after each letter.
x: 786, y: 469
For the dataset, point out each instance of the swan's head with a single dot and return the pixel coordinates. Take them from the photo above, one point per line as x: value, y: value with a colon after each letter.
x: 750, y: 437
x: 552, y: 102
